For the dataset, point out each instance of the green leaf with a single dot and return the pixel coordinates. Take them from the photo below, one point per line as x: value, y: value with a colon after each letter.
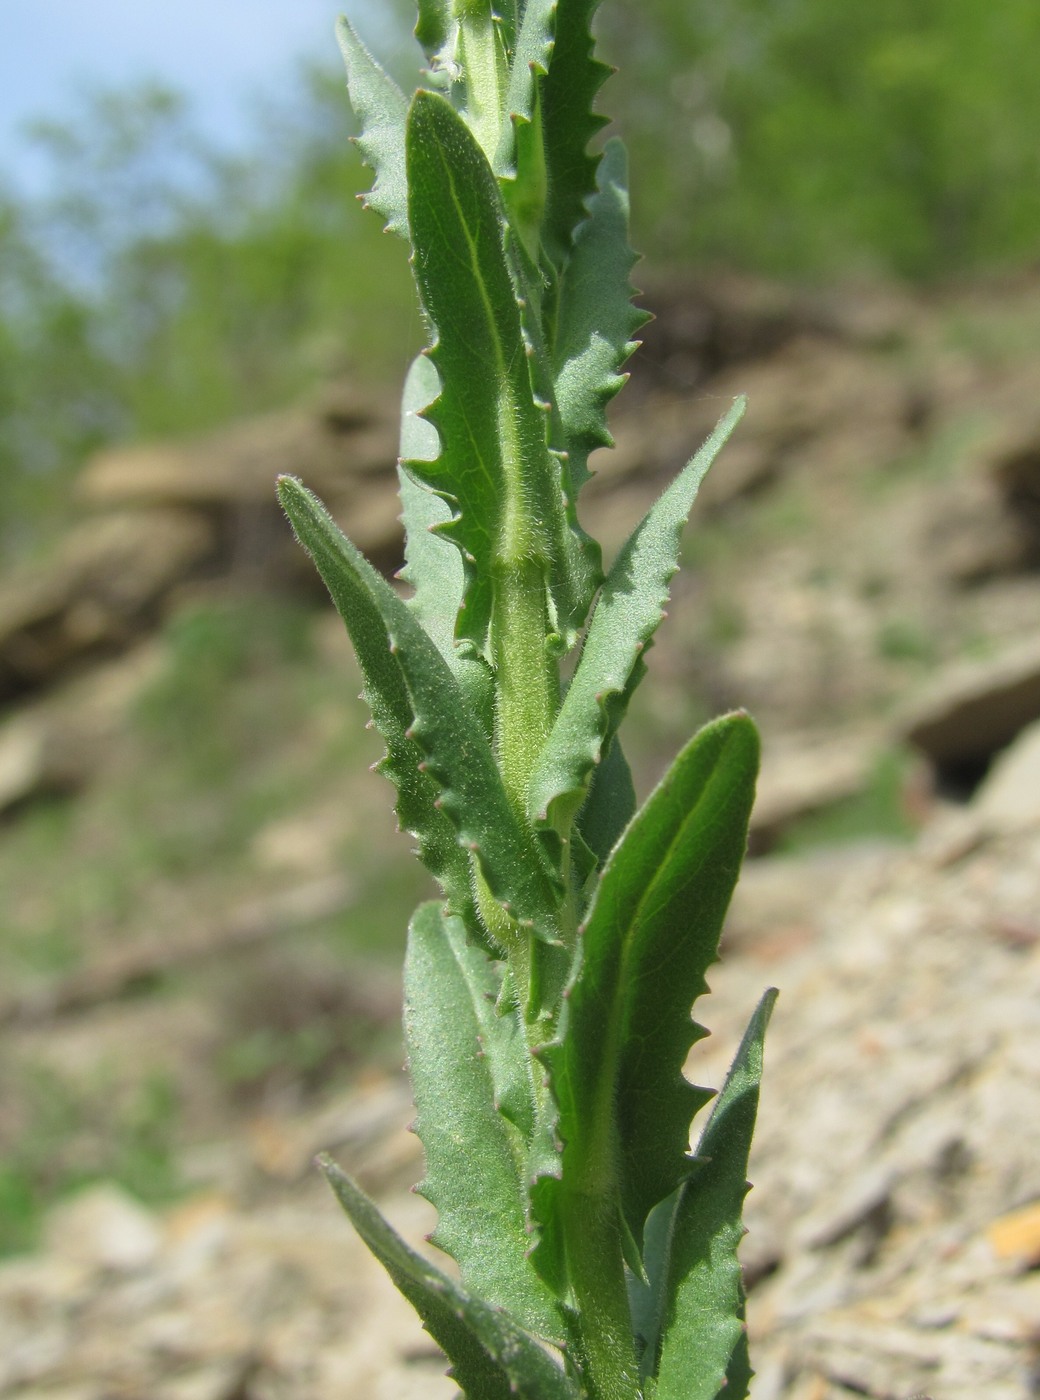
x: 568, y: 92
x: 627, y: 614
x: 520, y: 158
x: 456, y: 751
x: 495, y: 466
x: 485, y: 71
x: 507, y: 18
x: 433, y: 566
x: 491, y: 1357
x: 382, y: 109
x: 434, y: 27
x: 596, y: 317
x: 463, y: 1054
x: 387, y: 697
x: 646, y: 1289
x: 610, y: 804
x: 530, y: 59
x: 652, y: 932
x: 702, y: 1337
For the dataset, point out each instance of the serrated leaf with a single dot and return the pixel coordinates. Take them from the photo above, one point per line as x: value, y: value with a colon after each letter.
x: 484, y: 64
x: 387, y: 697
x: 382, y: 110
x: 627, y: 613
x: 455, y: 748
x: 651, y: 933
x: 568, y: 92
x: 433, y: 566
x: 495, y: 465
x: 530, y: 58
x: 520, y: 158
x: 646, y: 1290
x: 596, y: 320
x: 702, y: 1336
x: 491, y: 1357
x: 610, y: 804
x: 462, y: 1054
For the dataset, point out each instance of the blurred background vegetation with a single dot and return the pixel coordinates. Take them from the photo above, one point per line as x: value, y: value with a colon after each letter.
x: 155, y: 285
x: 161, y: 286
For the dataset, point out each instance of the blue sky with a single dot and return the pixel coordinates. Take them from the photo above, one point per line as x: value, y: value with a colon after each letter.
x: 220, y: 52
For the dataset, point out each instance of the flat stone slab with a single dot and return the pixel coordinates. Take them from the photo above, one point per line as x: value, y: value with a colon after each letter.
x: 973, y: 709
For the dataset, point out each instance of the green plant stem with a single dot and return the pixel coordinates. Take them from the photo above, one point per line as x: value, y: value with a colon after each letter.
x: 607, y: 1356
x: 527, y: 686
x: 595, y: 1263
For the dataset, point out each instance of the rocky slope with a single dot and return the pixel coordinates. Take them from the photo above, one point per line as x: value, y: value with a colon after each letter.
x: 894, y: 1245
x: 864, y: 578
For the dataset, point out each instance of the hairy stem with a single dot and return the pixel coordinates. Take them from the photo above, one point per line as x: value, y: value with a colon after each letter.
x: 526, y: 682
x: 595, y: 1260
x: 606, y: 1352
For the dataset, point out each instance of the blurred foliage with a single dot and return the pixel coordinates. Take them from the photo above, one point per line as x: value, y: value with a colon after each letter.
x: 240, y: 738
x: 244, y: 722
x: 125, y: 1138
x: 807, y: 138
x: 162, y: 286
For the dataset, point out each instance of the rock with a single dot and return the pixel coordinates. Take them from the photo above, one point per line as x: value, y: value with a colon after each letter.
x: 343, y: 446
x: 285, y: 1301
x: 700, y: 328
x: 972, y: 709
x: 780, y: 900
x: 971, y: 536
x: 370, y: 1125
x: 223, y: 1381
x: 58, y: 744
x: 97, y: 595
x: 800, y: 776
x: 1017, y: 1236
x: 62, y: 1392
x: 900, y: 1126
x: 104, y: 1228
x: 23, y: 764
x: 1009, y: 796
x: 1013, y: 463
x: 344, y: 436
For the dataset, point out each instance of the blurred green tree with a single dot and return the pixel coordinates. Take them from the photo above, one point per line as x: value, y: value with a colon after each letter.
x: 803, y: 137
x: 163, y: 286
